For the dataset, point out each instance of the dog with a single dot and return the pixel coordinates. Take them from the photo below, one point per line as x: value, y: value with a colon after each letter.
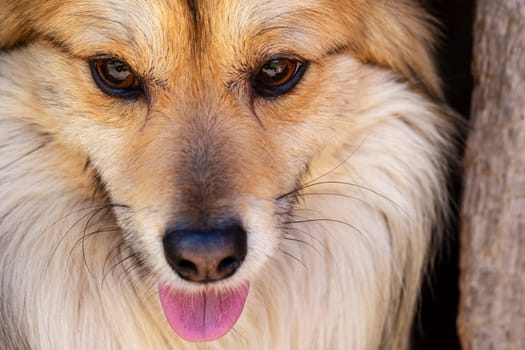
x: 232, y: 174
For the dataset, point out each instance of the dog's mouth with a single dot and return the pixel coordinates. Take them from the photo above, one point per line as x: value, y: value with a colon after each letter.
x: 203, y: 276
x: 202, y: 316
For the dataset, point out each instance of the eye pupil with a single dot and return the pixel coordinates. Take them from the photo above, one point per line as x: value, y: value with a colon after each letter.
x: 116, y: 72
x: 120, y: 67
x: 275, y: 69
x: 277, y: 76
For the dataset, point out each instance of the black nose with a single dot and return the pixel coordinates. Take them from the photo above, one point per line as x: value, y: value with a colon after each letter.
x: 205, y: 256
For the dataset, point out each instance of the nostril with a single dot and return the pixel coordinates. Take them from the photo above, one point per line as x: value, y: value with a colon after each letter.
x: 205, y: 256
x: 228, y: 266
x: 186, y: 268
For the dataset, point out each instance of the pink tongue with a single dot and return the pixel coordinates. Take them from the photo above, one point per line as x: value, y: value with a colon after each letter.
x: 202, y: 316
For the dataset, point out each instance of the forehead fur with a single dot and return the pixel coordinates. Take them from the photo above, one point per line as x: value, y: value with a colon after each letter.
x: 392, y: 34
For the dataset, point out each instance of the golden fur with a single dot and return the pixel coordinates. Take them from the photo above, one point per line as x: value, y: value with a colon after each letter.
x: 340, y: 183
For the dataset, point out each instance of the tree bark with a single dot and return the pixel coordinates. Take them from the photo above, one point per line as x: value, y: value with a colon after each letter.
x: 492, y: 283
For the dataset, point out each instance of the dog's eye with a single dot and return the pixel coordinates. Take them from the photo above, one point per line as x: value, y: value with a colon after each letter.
x: 278, y: 76
x: 115, y: 77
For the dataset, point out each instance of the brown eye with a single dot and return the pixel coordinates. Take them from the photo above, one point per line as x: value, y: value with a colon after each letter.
x: 278, y: 76
x: 115, y: 77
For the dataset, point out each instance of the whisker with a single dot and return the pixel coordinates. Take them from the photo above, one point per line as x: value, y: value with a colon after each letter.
x: 135, y: 263
x: 118, y: 263
x: 94, y: 211
x: 27, y: 154
x: 335, y: 195
x: 345, y: 160
x: 94, y: 207
x: 93, y: 233
x: 293, y: 257
x: 350, y: 184
x: 86, y: 236
x: 83, y: 238
x: 306, y: 233
x: 355, y: 228
x: 303, y: 242
x: 60, y: 241
x: 324, y: 220
x: 114, y: 251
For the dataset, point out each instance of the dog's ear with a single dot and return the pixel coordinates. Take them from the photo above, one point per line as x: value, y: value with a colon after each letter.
x: 14, y: 23
x: 401, y: 36
x: 411, y: 37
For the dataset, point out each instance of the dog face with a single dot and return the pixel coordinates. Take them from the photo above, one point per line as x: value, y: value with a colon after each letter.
x: 203, y: 118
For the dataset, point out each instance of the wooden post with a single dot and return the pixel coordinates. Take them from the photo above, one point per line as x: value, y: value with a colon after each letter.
x: 492, y: 307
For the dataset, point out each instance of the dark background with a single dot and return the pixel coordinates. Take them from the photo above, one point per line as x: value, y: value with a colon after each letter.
x: 435, y: 327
